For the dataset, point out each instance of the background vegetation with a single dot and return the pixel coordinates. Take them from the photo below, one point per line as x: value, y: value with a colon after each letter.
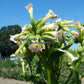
x: 13, y: 70
x: 8, y: 47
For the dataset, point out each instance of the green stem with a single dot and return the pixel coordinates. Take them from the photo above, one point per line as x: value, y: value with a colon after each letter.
x: 30, y: 66
x: 33, y: 23
x: 23, y: 68
x: 48, y: 77
x: 77, y: 77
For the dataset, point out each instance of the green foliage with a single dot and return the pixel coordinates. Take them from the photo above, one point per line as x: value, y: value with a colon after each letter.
x: 8, y: 69
x: 6, y: 46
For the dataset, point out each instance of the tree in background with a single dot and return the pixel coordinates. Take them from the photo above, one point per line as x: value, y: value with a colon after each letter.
x: 8, y: 47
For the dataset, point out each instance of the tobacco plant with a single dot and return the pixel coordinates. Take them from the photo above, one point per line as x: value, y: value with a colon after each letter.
x: 48, y: 43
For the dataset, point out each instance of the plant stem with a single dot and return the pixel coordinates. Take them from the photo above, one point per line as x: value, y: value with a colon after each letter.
x: 30, y: 66
x: 48, y: 77
x: 77, y: 77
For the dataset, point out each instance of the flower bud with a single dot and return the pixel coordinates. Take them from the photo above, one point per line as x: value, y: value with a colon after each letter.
x: 69, y: 26
x: 66, y: 22
x: 74, y: 32
x: 79, y: 49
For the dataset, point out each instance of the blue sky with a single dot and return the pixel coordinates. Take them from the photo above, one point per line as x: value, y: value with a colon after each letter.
x: 13, y: 12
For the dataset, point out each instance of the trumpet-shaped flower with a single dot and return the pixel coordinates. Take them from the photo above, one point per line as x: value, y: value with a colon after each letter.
x: 12, y: 38
x: 74, y: 32
x: 66, y: 22
x: 48, y: 26
x: 50, y: 15
x: 52, y: 26
x: 78, y: 24
x: 66, y: 29
x: 82, y: 29
x: 29, y: 8
x: 69, y: 55
x: 35, y: 47
x: 24, y: 28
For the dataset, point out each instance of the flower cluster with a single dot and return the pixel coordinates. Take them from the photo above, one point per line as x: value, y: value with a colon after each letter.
x: 57, y: 30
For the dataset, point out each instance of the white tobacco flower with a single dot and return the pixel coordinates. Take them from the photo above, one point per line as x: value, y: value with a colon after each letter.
x: 69, y: 25
x: 58, y: 35
x: 29, y: 8
x: 66, y: 22
x: 12, y: 38
x: 48, y: 26
x: 52, y: 26
x: 58, y: 21
x: 51, y: 14
x: 69, y: 55
x: 74, y: 32
x: 54, y: 33
x: 24, y: 28
x: 82, y: 29
x: 66, y: 29
x: 78, y: 24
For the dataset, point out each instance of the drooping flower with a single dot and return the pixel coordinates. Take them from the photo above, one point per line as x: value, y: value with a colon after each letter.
x: 69, y: 55
x: 36, y: 47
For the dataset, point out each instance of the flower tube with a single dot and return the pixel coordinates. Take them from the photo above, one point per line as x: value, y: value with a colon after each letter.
x: 69, y: 55
x: 66, y: 22
x: 50, y: 15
